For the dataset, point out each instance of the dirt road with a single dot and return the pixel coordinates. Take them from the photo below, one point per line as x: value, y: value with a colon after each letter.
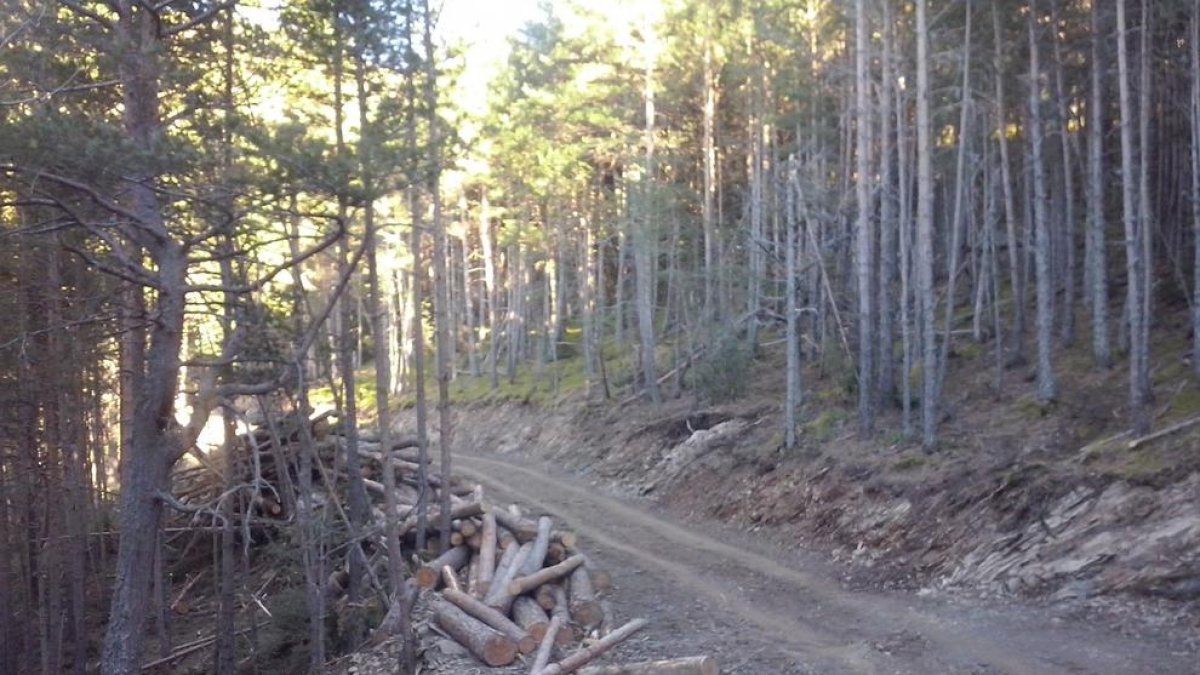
x: 769, y: 612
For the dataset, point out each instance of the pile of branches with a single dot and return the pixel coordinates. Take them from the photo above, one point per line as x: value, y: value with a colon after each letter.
x: 502, y: 586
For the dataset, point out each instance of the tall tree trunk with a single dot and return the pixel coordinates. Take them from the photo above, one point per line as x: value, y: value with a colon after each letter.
x: 708, y: 208
x: 1015, y: 261
x: 957, y: 220
x: 441, y: 283
x: 793, y: 333
x: 924, y: 253
x: 1195, y: 110
x: 347, y: 343
x: 647, y: 244
x: 490, y: 291
x: 1146, y: 216
x: 154, y: 445
x: 864, y: 234
x: 381, y: 344
x: 1139, y: 352
x: 1066, y: 146
x: 1096, y: 253
x: 1047, y: 387
x: 888, y: 223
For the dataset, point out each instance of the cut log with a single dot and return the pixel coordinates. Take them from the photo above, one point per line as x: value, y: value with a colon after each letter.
x: 487, y: 554
x: 523, y: 530
x: 506, y: 560
x: 546, y: 646
x: 544, y: 595
x: 691, y: 665
x: 500, y: 597
x: 473, y: 576
x: 465, y: 510
x: 606, y: 624
x: 523, y: 585
x: 586, y: 655
x: 468, y: 528
x: 456, y: 558
x: 484, y: 642
x: 530, y: 617
x: 555, y: 553
x: 570, y: 631
x: 527, y: 530
x: 585, y: 611
x: 450, y: 578
x: 601, y: 579
x: 525, y: 642
x: 537, y: 555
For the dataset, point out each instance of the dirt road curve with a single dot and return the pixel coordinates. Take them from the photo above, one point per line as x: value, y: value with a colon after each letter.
x: 772, y: 612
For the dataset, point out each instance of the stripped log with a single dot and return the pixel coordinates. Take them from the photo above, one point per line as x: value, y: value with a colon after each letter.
x: 473, y: 575
x: 586, y: 655
x: 464, y: 510
x: 522, y: 585
x: 500, y: 597
x: 506, y: 560
x: 547, y: 645
x: 450, y: 578
x: 585, y: 611
x: 561, y: 609
x: 606, y: 624
x: 525, y: 642
x: 601, y: 579
x: 555, y: 553
x: 530, y: 617
x: 484, y: 642
x: 468, y: 528
x: 487, y: 554
x: 544, y: 595
x: 691, y: 665
x: 527, y: 530
x: 537, y: 555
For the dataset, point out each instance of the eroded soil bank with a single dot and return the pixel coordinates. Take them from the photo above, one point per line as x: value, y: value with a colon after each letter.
x: 1038, y: 525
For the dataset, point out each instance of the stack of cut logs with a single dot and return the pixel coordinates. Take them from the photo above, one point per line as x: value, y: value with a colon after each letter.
x: 518, y: 586
x: 504, y: 586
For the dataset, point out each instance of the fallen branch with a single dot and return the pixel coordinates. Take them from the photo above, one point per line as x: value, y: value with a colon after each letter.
x: 691, y: 665
x: 1173, y: 429
x: 547, y: 646
x: 586, y: 655
x: 522, y: 585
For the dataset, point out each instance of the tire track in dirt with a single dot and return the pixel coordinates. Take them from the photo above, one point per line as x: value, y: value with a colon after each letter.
x: 810, y: 616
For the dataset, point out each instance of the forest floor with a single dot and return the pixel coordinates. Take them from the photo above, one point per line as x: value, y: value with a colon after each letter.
x: 1036, y: 539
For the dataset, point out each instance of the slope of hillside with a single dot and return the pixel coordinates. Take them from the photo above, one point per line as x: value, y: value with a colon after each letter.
x: 1054, y: 502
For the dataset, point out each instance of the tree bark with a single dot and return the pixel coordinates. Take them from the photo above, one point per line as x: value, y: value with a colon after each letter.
x: 493, y: 618
x: 924, y: 253
x: 1138, y: 366
x: 864, y: 232
x: 1047, y: 387
x: 484, y: 642
x: 1096, y: 253
x: 690, y: 665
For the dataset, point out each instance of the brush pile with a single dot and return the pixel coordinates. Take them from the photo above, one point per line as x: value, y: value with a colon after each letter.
x: 503, y: 586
